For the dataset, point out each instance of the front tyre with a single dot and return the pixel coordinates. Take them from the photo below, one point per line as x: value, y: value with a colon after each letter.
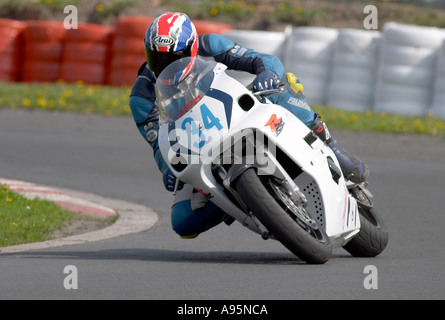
x: 373, y: 236
x: 297, y: 232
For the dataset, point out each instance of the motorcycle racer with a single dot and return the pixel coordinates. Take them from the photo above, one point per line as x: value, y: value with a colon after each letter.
x: 173, y: 36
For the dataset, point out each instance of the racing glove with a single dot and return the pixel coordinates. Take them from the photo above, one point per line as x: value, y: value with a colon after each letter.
x: 266, y: 80
x: 169, y: 180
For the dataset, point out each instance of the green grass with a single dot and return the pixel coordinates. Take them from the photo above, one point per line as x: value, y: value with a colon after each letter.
x: 107, y: 100
x: 24, y: 221
x: 78, y: 97
x: 382, y: 122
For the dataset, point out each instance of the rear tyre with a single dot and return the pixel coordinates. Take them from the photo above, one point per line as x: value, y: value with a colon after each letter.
x: 286, y: 221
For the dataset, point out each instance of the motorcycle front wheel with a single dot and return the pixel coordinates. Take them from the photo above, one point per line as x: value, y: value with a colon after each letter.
x: 373, y: 236
x: 289, y: 223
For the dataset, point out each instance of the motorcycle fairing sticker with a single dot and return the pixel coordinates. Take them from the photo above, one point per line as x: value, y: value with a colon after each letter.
x: 226, y: 99
x: 276, y: 124
x: 209, y: 120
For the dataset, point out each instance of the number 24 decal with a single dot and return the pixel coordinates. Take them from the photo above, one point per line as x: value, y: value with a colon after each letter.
x: 209, y: 121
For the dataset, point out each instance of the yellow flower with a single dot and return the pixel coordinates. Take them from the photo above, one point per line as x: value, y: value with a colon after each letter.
x: 214, y: 11
x: 353, y: 118
x: 14, y: 224
x: 100, y: 7
x: 298, y: 10
x: 90, y: 91
x: 8, y: 200
x: 42, y: 102
x: 67, y: 93
x: 241, y: 4
x: 26, y: 102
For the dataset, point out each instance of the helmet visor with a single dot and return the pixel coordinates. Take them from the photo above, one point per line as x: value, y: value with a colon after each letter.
x: 158, y: 61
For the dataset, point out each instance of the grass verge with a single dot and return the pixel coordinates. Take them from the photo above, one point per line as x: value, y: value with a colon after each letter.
x: 24, y: 221
x: 76, y: 97
x: 382, y: 122
x: 88, y: 99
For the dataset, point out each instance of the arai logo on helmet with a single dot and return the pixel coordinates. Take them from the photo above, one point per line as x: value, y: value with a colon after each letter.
x: 163, y: 41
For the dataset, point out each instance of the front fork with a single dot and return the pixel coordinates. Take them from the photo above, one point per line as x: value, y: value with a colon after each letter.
x: 361, y: 193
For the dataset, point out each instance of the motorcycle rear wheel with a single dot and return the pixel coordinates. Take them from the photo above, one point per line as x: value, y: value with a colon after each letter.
x: 307, y: 241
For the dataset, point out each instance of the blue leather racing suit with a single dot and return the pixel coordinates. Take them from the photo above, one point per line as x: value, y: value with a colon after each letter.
x: 191, y: 213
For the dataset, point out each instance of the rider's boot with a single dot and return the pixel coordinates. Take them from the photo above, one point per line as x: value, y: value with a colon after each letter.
x: 352, y: 167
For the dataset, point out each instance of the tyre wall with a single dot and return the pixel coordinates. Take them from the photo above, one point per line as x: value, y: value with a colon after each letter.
x: 86, y: 54
x: 407, y: 68
x: 400, y: 69
x: 43, y: 48
x: 354, y: 68
x: 11, y: 43
x: 44, y: 51
x: 309, y: 55
x: 438, y: 104
x: 127, y: 50
x: 261, y: 41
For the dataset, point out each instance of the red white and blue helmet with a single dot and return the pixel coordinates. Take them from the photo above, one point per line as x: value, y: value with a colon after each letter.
x: 170, y: 37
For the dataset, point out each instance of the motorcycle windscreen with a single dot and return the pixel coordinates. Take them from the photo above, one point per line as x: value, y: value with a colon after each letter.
x: 181, y: 85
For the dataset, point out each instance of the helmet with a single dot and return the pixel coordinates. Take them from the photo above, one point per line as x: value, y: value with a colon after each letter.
x: 170, y: 37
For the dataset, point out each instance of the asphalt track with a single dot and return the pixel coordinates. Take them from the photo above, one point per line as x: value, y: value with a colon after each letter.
x: 106, y: 156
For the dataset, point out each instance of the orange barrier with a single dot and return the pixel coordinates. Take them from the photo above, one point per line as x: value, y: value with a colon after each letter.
x: 43, y: 45
x: 11, y: 33
x: 128, y: 47
x: 86, y: 54
x: 94, y: 54
x: 127, y: 50
x: 203, y: 26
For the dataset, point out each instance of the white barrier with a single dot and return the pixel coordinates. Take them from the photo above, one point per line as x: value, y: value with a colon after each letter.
x: 400, y: 70
x: 261, y: 41
x: 438, y: 105
x: 308, y: 54
x: 407, y: 68
x: 354, y: 70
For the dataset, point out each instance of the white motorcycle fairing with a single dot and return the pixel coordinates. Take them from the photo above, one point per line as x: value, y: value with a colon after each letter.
x: 214, y: 120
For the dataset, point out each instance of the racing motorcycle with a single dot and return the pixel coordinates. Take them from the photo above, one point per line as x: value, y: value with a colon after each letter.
x: 261, y: 165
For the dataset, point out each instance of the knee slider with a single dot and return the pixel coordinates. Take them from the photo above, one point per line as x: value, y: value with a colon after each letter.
x: 180, y: 221
x: 294, y: 85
